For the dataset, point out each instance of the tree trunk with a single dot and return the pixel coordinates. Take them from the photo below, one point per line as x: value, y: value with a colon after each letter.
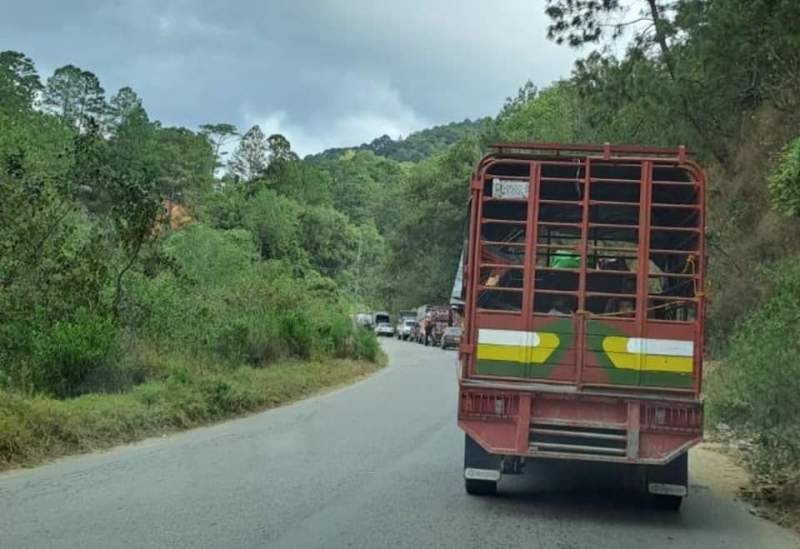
x: 719, y: 152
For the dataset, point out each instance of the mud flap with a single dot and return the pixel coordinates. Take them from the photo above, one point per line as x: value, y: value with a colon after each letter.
x: 671, y: 479
x: 482, y: 470
x: 476, y: 458
x: 668, y: 484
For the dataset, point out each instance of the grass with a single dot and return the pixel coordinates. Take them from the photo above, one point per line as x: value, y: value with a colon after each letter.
x: 34, y: 429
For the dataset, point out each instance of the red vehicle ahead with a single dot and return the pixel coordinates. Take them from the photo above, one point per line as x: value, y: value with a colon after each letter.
x: 583, y: 336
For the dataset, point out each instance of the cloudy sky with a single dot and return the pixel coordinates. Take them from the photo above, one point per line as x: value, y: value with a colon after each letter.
x: 322, y: 72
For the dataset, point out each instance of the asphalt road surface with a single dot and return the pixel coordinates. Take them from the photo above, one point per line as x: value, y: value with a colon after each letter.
x: 376, y: 464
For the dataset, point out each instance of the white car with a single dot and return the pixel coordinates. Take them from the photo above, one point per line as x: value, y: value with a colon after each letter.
x: 384, y: 329
x: 405, y: 329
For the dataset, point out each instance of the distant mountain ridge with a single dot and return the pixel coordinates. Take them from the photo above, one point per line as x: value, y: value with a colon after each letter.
x: 417, y: 145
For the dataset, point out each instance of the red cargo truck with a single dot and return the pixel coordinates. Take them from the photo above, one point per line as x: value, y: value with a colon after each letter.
x: 583, y: 335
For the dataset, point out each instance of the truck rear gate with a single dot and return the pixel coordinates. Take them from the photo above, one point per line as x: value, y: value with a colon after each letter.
x: 584, y: 307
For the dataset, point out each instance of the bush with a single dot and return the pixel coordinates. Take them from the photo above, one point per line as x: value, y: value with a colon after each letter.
x: 756, y: 390
x: 213, y: 299
x: 220, y: 300
x: 69, y: 354
x: 366, y: 345
x: 784, y: 181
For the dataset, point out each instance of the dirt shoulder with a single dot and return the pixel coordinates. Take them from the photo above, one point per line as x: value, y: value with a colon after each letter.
x: 711, y: 466
x: 722, y: 466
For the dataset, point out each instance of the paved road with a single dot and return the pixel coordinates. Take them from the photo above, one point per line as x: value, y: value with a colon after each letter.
x: 377, y: 464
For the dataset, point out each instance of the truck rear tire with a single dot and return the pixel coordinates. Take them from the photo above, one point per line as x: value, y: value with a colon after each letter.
x: 674, y: 473
x: 666, y: 503
x: 480, y: 487
x: 475, y: 457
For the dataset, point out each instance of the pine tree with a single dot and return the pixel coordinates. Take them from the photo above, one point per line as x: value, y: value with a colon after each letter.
x: 250, y: 158
x: 75, y: 95
x: 122, y: 106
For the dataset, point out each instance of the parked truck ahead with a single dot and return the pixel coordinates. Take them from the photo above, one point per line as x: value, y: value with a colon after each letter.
x: 583, y: 335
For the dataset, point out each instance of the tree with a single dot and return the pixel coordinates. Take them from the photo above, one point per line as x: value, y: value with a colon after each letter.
x: 581, y: 22
x: 274, y: 221
x: 280, y: 150
x: 123, y: 105
x: 19, y: 82
x: 329, y: 239
x: 525, y: 95
x: 287, y: 174
x: 75, y: 95
x: 133, y: 176
x: 299, y: 180
x: 219, y: 135
x: 430, y: 233
x: 250, y: 158
x: 549, y: 115
x: 186, y: 163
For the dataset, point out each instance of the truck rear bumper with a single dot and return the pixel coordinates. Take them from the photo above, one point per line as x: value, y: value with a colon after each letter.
x: 558, y: 424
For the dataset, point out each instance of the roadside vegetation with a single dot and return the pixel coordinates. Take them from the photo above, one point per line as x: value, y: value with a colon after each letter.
x: 130, y: 252
x: 190, y: 393
x: 141, y: 292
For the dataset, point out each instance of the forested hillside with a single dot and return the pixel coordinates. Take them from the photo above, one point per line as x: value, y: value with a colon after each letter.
x: 418, y: 145
x: 129, y: 249
x: 128, y: 266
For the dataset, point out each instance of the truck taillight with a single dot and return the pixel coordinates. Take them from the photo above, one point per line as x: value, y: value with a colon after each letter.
x: 670, y: 417
x: 485, y: 404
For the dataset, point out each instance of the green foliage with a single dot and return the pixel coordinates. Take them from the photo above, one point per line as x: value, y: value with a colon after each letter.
x: 204, y: 256
x: 366, y: 346
x: 218, y: 136
x: 19, y: 82
x: 95, y: 279
x: 69, y: 353
x: 578, y: 22
x: 301, y: 181
x: 417, y: 146
x: 249, y: 160
x: 76, y: 96
x: 186, y: 164
x: 329, y: 240
x: 426, y: 244
x: 220, y: 299
x: 125, y: 104
x: 547, y: 116
x: 365, y: 186
x: 784, y: 181
x: 274, y: 220
x: 280, y: 150
x: 756, y: 388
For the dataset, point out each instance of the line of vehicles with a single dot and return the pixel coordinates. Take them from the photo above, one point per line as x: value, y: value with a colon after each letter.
x: 436, y: 325
x: 580, y: 293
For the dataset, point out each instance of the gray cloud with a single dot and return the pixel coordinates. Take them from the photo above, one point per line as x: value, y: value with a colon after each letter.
x: 325, y: 73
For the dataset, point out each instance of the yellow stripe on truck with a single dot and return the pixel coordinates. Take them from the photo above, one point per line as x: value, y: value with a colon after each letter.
x: 507, y: 353
x: 650, y: 355
x: 516, y: 345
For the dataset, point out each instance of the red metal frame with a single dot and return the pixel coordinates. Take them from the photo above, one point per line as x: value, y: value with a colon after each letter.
x: 584, y: 404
